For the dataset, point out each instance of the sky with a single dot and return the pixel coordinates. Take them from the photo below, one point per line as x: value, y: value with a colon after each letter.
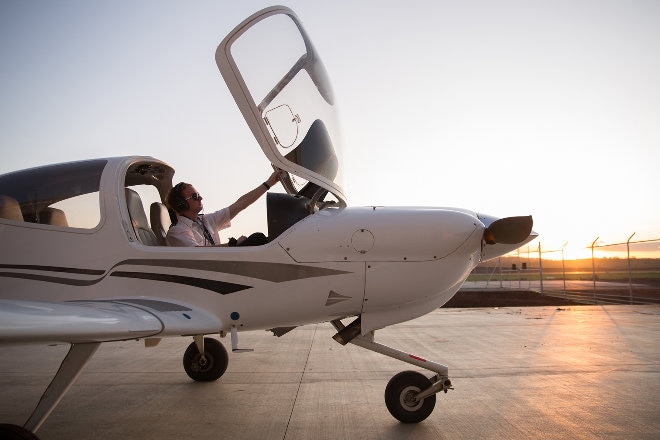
x: 548, y: 108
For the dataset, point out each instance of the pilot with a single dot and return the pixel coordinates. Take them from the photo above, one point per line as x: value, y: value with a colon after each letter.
x: 194, y: 229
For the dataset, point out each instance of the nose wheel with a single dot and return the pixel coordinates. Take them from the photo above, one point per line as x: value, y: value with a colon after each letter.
x: 401, y: 397
x: 409, y: 395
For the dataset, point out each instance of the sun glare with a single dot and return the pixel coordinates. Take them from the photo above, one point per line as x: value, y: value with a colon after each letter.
x: 582, y: 253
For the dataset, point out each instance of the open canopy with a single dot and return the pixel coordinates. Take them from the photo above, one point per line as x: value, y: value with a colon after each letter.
x: 283, y: 91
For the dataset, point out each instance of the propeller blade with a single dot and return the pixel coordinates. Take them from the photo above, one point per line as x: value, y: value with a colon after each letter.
x: 509, y: 230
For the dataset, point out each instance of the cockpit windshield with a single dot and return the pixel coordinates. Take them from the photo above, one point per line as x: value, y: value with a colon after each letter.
x: 282, y: 89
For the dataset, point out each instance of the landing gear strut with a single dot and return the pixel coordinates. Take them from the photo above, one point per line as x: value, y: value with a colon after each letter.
x: 409, y: 395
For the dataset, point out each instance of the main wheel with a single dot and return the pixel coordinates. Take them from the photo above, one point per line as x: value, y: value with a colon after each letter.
x: 400, y: 397
x: 207, y: 367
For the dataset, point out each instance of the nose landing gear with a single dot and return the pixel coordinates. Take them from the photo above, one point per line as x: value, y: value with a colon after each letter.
x: 409, y: 395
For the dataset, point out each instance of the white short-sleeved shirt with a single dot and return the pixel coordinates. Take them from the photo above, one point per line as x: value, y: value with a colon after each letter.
x: 188, y: 232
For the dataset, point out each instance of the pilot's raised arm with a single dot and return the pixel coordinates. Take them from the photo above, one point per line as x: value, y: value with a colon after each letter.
x: 195, y: 229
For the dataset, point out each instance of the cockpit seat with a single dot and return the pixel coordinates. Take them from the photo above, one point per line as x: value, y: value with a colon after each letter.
x: 160, y: 221
x: 10, y: 209
x: 139, y: 219
x: 53, y: 216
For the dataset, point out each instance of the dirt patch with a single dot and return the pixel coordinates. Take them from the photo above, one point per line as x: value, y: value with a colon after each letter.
x: 504, y: 298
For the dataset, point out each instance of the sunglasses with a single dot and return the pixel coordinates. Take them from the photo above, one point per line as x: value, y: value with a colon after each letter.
x: 194, y: 196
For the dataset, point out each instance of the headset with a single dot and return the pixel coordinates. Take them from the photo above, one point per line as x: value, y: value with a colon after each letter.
x: 176, y: 200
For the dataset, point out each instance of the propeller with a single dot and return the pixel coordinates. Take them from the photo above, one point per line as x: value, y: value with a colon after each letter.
x: 509, y: 230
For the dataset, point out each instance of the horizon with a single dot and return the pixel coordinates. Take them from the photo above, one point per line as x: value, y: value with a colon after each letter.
x: 642, y: 249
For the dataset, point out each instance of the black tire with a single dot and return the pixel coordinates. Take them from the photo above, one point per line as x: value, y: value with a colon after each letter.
x: 15, y: 432
x: 209, y: 367
x: 399, y: 397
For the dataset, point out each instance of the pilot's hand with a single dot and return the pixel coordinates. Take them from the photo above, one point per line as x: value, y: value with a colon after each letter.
x: 274, y: 178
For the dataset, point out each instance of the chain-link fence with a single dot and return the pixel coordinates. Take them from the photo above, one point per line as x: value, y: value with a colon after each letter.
x: 616, y: 273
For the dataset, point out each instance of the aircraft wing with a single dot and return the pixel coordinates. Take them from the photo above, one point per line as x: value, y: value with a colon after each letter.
x: 99, y: 321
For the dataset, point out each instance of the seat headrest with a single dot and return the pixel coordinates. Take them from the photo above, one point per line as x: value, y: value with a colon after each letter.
x: 53, y: 216
x: 10, y: 209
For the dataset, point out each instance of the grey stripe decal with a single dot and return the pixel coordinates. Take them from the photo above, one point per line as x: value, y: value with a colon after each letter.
x: 274, y: 272
x: 160, y: 306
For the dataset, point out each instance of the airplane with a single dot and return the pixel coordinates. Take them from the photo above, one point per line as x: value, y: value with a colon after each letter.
x: 82, y: 263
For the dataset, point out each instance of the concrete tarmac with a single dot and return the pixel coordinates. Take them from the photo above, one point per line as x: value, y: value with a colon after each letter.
x: 580, y: 372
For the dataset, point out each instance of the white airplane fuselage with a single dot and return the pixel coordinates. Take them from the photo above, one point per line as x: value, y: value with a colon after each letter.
x: 386, y: 264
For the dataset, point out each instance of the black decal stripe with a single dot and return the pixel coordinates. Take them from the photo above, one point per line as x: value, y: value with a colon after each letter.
x: 47, y: 279
x: 274, y: 272
x: 221, y: 287
x: 53, y: 269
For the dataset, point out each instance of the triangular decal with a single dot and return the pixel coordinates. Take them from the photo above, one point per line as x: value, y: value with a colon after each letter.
x: 334, y: 298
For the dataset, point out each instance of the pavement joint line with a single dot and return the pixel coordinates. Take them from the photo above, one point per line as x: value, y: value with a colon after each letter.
x: 302, y: 375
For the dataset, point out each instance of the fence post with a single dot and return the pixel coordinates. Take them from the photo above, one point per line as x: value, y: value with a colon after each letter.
x: 629, y: 271
x: 593, y: 267
x: 519, y: 270
x: 529, y: 279
x: 540, y: 268
x: 563, y: 268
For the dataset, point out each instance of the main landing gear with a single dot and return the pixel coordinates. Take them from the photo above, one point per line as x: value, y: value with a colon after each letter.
x: 409, y: 395
x: 205, y: 359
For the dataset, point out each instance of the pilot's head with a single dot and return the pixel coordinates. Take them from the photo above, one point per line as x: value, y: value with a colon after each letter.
x: 185, y: 200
